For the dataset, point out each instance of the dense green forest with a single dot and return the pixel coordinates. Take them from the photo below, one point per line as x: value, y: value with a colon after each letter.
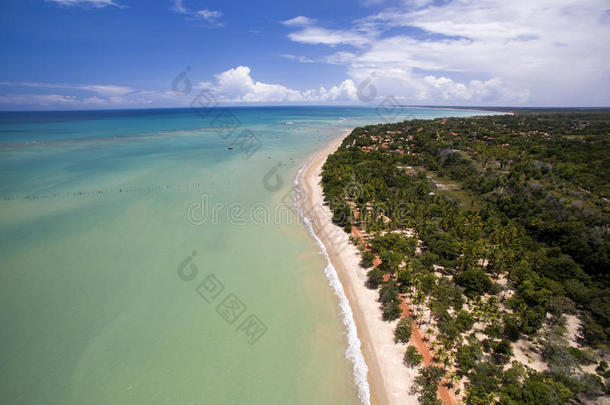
x: 496, y: 230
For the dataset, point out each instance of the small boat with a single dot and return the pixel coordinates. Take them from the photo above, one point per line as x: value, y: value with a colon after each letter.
x: 230, y: 147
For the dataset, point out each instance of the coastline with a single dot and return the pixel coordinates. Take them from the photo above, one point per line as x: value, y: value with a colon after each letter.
x: 387, y: 380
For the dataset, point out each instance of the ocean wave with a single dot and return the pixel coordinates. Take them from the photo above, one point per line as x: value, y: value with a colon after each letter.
x: 353, y: 351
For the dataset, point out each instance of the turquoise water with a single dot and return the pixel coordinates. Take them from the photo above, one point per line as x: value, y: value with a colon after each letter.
x: 136, y: 266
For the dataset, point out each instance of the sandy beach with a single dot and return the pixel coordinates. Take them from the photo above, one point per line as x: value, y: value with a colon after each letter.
x: 389, y: 380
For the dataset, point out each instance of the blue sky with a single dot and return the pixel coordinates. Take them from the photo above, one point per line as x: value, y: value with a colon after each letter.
x: 81, y: 54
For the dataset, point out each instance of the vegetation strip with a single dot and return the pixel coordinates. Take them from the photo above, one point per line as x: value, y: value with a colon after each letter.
x: 495, y: 231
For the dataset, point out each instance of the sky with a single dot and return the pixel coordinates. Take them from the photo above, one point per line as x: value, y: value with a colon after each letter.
x: 112, y: 54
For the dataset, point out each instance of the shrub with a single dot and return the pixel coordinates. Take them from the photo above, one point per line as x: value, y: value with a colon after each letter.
x: 503, y: 347
x: 388, y: 292
x: 592, y: 385
x: 374, y: 278
x: 403, y: 330
x: 395, y: 242
x: 583, y: 356
x: 493, y: 330
x: 502, y: 351
x: 511, y: 327
x: 391, y: 311
x: 412, y: 358
x: 484, y: 379
x: 367, y: 259
x: 426, y: 384
x: 592, y: 332
x: 545, y: 391
x: 474, y: 281
x: 464, y: 321
x: 342, y: 215
x: 390, y: 261
x: 466, y: 358
x: 405, y: 279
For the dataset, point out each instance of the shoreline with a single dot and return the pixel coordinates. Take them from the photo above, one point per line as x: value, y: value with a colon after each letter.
x: 387, y: 380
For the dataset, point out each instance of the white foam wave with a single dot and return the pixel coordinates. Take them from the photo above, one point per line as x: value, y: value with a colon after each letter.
x: 353, y: 351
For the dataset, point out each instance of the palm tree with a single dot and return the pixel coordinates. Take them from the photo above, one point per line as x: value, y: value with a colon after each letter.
x: 419, y: 299
x: 429, y: 332
x: 443, y: 357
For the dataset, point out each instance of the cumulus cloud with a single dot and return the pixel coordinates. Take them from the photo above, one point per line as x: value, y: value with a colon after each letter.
x: 410, y: 87
x: 233, y: 86
x: 480, y: 51
x: 237, y: 85
x: 345, y: 91
x: 494, y: 90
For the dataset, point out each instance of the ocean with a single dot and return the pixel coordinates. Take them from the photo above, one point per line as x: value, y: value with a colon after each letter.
x: 146, y: 257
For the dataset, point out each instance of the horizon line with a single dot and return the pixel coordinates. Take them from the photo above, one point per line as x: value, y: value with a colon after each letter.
x: 498, y: 108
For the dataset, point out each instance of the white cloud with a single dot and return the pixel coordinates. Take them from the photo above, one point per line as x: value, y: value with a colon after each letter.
x: 101, y: 89
x: 299, y: 58
x: 345, y: 91
x: 339, y: 58
x: 299, y: 21
x: 410, y: 87
x: 91, y: 3
x: 310, y: 34
x: 237, y: 86
x: 209, y: 16
x: 59, y: 101
x: 476, y: 90
x: 233, y: 86
x: 179, y: 6
x: 38, y: 99
x: 103, y: 96
x: 552, y: 51
x: 317, y: 35
x: 52, y: 101
x: 107, y: 90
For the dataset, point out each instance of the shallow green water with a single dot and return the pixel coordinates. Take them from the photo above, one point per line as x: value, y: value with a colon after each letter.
x: 98, y: 212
